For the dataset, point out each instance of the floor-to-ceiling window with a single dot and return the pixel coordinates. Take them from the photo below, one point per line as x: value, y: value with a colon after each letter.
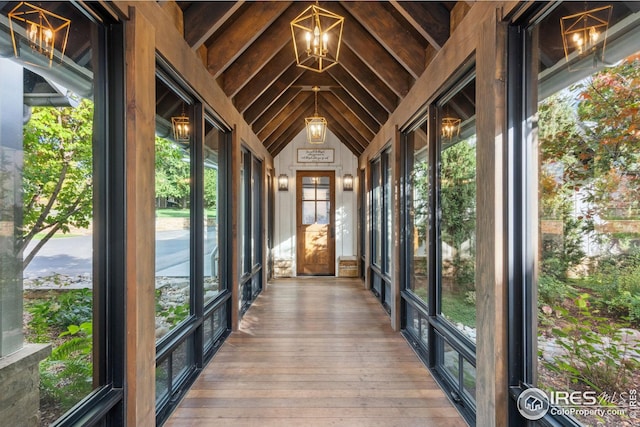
x: 250, y: 229
x: 381, y: 228
x: 191, y: 292
x: 579, y: 147
x: 438, y: 241
x: 61, y: 204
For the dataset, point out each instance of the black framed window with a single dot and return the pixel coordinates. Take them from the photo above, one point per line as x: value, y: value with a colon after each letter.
x: 61, y: 160
x: 251, y: 228
x: 576, y: 168
x: 381, y: 220
x: 192, y: 294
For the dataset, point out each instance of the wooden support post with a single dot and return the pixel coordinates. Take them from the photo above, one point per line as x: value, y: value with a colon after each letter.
x: 491, y: 283
x: 140, y: 244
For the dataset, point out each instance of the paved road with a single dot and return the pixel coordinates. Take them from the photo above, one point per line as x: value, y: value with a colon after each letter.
x: 73, y: 255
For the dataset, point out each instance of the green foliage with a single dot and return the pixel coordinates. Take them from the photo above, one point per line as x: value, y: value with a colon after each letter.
x: 66, y: 376
x: 458, y: 201
x: 617, y: 282
x: 552, y: 291
x: 51, y: 315
x: 172, y: 177
x: 596, y: 352
x: 211, y: 189
x: 57, y: 174
x: 459, y: 307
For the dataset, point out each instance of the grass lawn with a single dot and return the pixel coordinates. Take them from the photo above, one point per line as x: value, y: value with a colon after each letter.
x: 179, y: 213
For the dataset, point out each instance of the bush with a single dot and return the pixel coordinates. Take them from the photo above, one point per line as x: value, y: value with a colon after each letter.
x: 617, y: 283
x: 552, y: 291
x: 596, y: 353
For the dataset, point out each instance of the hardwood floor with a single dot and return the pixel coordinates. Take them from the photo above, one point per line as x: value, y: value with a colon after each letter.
x: 315, y: 352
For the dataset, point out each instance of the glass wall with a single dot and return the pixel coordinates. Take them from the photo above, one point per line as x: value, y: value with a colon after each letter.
x: 437, y: 247
x: 583, y: 161
x: 381, y: 229
x: 251, y: 230
x: 54, y: 184
x: 192, y: 296
x: 457, y: 210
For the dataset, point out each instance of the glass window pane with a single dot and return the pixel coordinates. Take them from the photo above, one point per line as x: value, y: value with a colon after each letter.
x: 587, y: 164
x: 49, y: 144
x: 323, y: 210
x: 451, y: 359
x: 173, y: 216
x: 323, y: 193
x: 308, y: 193
x: 308, y: 213
x: 469, y: 379
x: 211, y: 280
x: 458, y: 216
x: 162, y: 380
x: 419, y: 212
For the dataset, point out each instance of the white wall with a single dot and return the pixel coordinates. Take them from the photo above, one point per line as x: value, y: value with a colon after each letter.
x: 285, y: 201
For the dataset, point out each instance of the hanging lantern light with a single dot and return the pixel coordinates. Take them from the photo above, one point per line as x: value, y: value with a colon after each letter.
x: 586, y: 33
x: 317, y: 36
x: 451, y: 127
x: 316, y: 124
x: 45, y: 32
x: 181, y: 128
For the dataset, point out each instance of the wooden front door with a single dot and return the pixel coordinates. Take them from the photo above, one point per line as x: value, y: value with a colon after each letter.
x: 315, y: 206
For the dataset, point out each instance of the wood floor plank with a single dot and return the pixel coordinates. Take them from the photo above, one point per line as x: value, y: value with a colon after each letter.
x: 315, y: 352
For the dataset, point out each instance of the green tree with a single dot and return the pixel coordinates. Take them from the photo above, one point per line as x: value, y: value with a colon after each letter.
x: 57, y: 173
x: 458, y: 201
x: 172, y: 171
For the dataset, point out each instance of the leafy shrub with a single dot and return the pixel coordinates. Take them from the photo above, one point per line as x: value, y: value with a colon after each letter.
x: 552, y: 291
x: 596, y: 352
x: 617, y: 282
x: 66, y: 376
x: 52, y: 315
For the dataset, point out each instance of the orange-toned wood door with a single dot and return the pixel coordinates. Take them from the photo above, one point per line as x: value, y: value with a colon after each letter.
x: 315, y: 206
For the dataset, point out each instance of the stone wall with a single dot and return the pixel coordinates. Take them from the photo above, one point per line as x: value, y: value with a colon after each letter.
x: 20, y: 379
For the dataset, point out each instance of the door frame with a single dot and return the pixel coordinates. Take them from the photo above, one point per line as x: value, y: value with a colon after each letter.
x: 331, y: 240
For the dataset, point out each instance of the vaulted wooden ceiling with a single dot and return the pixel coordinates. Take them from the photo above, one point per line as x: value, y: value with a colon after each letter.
x: 247, y: 48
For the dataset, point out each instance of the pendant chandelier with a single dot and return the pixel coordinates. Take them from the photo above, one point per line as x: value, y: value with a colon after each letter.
x: 316, y: 124
x: 44, y: 31
x: 450, y: 127
x: 317, y: 36
x: 181, y: 128
x: 586, y: 33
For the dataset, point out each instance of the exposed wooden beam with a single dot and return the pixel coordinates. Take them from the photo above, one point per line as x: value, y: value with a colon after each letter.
x: 275, y: 108
x: 391, y: 34
x: 330, y: 99
x: 235, y: 38
x: 296, y: 120
x: 269, y: 96
x: 372, y: 53
x: 301, y: 100
x: 261, y: 82
x: 344, y: 137
x: 367, y: 79
x: 260, y: 52
x: 286, y: 138
x: 332, y: 115
x: 311, y: 78
x: 430, y: 19
x: 357, y: 109
x: 359, y: 93
x: 203, y: 19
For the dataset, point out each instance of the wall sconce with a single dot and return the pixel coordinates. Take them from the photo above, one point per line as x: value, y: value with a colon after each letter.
x: 283, y: 182
x: 180, y: 124
x: 312, y: 31
x: 347, y: 182
x: 45, y: 31
x: 583, y: 32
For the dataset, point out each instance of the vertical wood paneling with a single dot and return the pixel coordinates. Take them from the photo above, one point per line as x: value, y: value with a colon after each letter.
x: 140, y: 244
